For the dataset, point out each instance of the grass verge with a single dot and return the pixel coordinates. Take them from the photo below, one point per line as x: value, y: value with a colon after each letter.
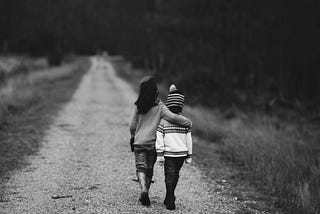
x: 28, y: 105
x: 281, y: 158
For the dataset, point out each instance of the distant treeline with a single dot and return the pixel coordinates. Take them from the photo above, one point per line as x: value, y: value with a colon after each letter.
x: 238, y: 49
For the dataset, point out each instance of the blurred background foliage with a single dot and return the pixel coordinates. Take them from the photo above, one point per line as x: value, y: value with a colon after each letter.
x: 220, y: 52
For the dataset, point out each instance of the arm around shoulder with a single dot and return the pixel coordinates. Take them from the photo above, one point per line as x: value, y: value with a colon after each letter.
x: 174, y: 118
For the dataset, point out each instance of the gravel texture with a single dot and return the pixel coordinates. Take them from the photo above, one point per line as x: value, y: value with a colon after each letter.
x: 86, y: 160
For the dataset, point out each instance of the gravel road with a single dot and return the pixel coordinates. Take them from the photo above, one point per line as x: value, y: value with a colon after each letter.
x: 85, y: 157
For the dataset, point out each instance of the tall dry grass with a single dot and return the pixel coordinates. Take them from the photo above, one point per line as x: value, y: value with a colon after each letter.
x: 281, y: 158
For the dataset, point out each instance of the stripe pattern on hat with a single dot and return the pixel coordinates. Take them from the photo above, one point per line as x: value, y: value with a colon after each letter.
x: 175, y: 99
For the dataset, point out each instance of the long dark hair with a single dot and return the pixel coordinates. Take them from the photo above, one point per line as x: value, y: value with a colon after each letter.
x: 147, y: 95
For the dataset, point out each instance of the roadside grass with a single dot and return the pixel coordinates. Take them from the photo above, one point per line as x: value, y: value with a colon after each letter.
x: 28, y: 103
x: 17, y: 65
x: 21, y: 91
x: 279, y: 157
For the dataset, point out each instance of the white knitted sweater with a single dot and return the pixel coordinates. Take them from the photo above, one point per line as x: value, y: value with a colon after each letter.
x: 173, y: 140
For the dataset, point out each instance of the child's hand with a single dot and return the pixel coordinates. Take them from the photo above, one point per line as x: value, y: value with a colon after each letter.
x: 188, y: 124
x: 160, y: 160
x: 188, y: 160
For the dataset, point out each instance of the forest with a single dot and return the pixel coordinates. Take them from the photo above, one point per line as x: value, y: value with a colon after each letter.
x: 238, y: 50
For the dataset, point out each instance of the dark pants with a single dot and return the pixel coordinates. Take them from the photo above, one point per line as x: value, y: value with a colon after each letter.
x: 172, y: 166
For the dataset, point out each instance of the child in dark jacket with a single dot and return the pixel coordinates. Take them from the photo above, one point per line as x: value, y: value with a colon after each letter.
x: 173, y: 146
x: 143, y: 126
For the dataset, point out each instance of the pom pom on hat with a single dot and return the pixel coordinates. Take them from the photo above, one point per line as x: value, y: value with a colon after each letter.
x: 173, y: 88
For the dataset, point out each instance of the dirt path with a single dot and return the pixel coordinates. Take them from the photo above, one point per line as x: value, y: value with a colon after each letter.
x: 85, y: 155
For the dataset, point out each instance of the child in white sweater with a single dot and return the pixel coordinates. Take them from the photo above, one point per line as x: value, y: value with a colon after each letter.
x: 173, y: 145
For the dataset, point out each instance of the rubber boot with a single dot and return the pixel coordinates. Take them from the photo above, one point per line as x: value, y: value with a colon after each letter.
x: 165, y: 202
x: 170, y: 198
x: 149, y: 176
x: 144, y: 197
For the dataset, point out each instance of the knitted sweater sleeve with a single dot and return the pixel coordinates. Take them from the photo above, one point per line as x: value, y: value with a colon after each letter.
x: 133, y: 122
x: 189, y: 143
x: 160, y: 140
x: 174, y: 118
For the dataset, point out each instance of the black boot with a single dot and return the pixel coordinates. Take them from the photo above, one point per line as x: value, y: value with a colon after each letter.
x: 144, y: 197
x: 165, y: 199
x: 169, y: 201
x: 165, y: 202
x: 149, y: 176
x: 172, y: 190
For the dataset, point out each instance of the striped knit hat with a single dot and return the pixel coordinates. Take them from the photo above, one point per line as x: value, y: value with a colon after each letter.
x: 175, y: 97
